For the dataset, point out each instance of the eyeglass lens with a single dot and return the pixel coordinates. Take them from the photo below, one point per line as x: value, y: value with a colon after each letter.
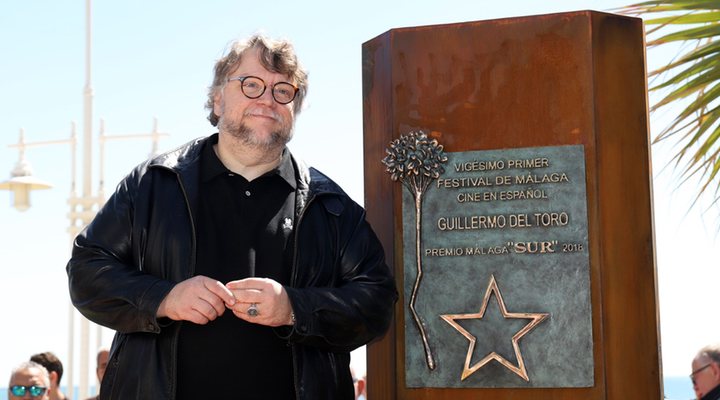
x: 697, y: 371
x: 254, y: 87
x: 19, y: 390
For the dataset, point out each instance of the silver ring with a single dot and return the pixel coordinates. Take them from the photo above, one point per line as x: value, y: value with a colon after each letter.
x: 252, y: 310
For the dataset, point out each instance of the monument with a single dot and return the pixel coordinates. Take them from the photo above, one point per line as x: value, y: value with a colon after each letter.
x: 507, y: 173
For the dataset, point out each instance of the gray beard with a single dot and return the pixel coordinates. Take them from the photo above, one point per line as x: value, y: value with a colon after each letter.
x: 277, y: 140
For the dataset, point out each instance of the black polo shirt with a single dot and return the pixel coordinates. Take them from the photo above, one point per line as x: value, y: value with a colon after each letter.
x: 244, y: 229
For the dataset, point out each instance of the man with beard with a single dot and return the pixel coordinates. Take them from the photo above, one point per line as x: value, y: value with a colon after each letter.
x: 228, y: 267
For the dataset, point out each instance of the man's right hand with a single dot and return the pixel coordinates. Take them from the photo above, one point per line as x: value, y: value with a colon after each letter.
x: 199, y: 299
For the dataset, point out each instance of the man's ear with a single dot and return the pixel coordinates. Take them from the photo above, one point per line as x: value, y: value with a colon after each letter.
x: 715, y: 370
x: 218, y: 103
x: 53, y: 377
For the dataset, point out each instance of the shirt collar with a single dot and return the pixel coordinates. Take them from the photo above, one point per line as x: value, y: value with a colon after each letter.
x: 211, y: 166
x: 286, y: 170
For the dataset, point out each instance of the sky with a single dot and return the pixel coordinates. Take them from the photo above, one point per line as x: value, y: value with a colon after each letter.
x: 154, y: 60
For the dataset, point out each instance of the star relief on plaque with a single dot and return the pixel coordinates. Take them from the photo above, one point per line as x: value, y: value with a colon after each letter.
x: 535, y: 320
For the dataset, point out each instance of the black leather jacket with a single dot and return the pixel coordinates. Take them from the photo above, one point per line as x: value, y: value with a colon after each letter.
x: 142, y: 242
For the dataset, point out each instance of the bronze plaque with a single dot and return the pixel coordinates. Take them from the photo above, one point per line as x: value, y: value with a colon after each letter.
x: 503, y: 295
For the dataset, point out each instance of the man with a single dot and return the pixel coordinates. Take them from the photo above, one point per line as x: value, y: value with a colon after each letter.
x: 229, y: 268
x: 55, y: 368
x: 705, y: 374
x: 101, y: 366
x: 29, y: 380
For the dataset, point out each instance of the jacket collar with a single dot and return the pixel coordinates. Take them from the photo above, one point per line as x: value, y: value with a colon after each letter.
x: 185, y: 161
x: 181, y: 158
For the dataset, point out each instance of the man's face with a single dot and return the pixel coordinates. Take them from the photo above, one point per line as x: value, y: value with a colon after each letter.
x: 705, y: 375
x: 261, y: 123
x: 28, y: 377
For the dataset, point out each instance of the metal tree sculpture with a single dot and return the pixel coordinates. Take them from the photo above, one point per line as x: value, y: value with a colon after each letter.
x: 416, y: 160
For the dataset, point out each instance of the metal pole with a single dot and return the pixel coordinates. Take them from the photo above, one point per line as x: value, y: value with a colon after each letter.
x: 71, y: 350
x: 87, y: 193
x: 72, y: 201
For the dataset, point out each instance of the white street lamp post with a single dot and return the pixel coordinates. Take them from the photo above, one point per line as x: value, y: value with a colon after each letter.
x: 82, y: 211
x: 83, y: 208
x: 21, y: 180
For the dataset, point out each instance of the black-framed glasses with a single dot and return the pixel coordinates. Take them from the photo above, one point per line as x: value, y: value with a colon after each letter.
x: 254, y: 87
x: 697, y: 371
x: 20, y: 390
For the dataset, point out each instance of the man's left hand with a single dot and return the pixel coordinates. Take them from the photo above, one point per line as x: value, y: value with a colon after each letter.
x: 269, y: 298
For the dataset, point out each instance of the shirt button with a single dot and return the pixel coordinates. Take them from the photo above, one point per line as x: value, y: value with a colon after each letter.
x: 247, y: 193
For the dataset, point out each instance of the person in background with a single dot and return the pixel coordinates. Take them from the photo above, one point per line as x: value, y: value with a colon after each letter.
x: 29, y: 380
x: 55, y: 368
x: 360, y: 381
x: 101, y: 366
x: 705, y: 374
x: 228, y: 267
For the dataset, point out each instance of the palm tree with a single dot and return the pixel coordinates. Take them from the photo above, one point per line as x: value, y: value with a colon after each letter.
x: 691, y: 81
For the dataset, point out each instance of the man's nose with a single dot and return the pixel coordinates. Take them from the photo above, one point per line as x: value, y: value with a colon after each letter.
x: 266, y: 97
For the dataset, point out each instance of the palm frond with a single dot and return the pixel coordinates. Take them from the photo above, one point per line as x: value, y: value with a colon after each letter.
x: 648, y: 7
x: 689, y: 18
x: 683, y: 90
x: 692, y: 79
x: 699, y: 33
x: 700, y: 51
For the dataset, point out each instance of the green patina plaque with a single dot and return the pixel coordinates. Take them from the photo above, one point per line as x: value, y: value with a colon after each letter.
x: 504, y: 299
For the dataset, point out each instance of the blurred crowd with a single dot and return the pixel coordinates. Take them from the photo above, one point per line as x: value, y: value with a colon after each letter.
x: 40, y: 377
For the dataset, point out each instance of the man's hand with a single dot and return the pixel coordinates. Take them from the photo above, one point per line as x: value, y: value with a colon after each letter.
x: 199, y: 299
x: 270, y: 299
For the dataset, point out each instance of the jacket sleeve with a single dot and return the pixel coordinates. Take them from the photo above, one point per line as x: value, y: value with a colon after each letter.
x: 105, y: 278
x: 358, y: 307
